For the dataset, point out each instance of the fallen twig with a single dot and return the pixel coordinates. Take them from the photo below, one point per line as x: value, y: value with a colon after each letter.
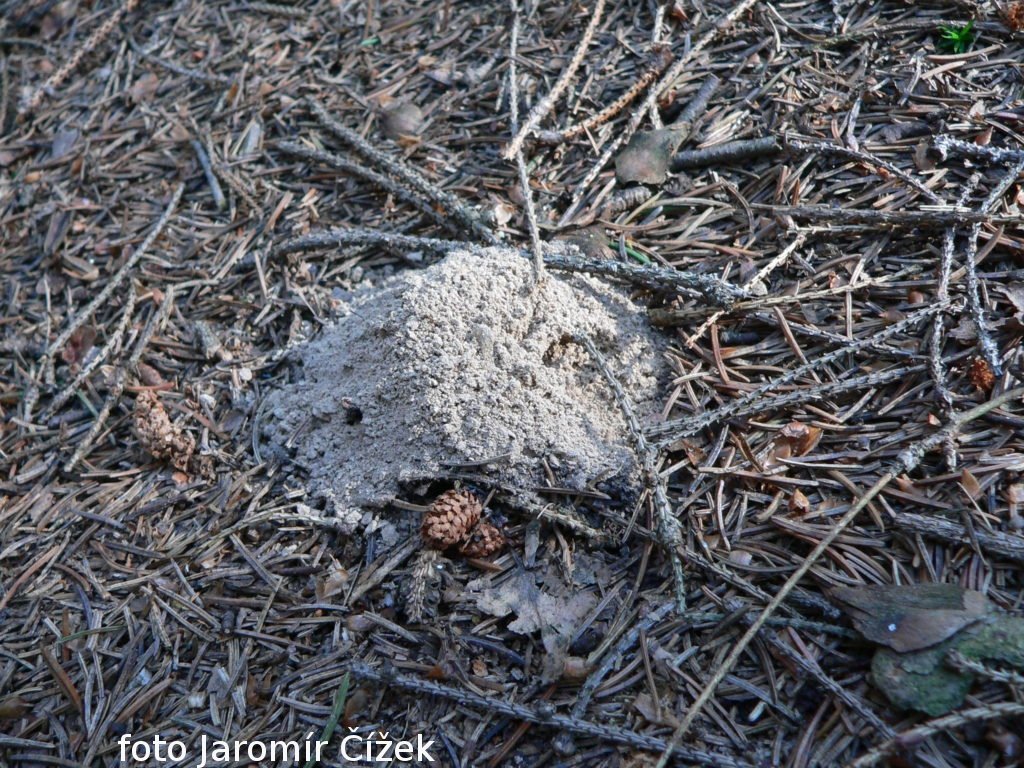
x: 541, y: 109
x: 409, y: 177
x: 710, y: 287
x: 939, y: 725
x: 648, y: 459
x: 524, y: 176
x: 724, y: 154
x: 112, y: 285
x: 543, y: 715
x: 100, y: 34
x: 1006, y: 545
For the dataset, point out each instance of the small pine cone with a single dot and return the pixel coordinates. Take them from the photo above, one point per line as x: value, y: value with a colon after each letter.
x: 450, y: 519
x: 484, y: 540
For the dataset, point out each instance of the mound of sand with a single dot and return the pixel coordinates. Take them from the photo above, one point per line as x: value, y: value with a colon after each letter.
x: 465, y: 361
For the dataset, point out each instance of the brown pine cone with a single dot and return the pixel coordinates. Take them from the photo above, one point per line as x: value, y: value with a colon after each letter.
x: 450, y: 519
x: 484, y: 540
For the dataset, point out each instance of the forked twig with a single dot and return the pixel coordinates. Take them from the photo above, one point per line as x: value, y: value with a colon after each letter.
x: 647, y: 455
x: 541, y: 109
x: 524, y: 175
x: 33, y: 392
x: 410, y: 177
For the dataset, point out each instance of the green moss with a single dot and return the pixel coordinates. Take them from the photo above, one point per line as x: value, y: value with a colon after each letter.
x: 925, y: 681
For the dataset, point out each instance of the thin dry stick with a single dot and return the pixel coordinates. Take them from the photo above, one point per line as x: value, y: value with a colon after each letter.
x: 397, y: 188
x: 1005, y: 545
x: 905, y: 462
x: 33, y: 393
x: 541, y: 109
x: 101, y: 33
x: 656, y: 29
x: 331, y: 238
x: 946, y: 144
x: 524, y: 176
x: 961, y: 662
x: 694, y: 424
x: 663, y: 84
x: 112, y: 343
x: 936, y: 365
x: 869, y: 217
x: 571, y: 132
x: 690, y: 425
x: 989, y: 348
x: 120, y: 378
x: 766, y: 270
x: 712, y: 288
x: 543, y: 715
x: 935, y: 727
x: 829, y: 147
x: 409, y: 176
x: 668, y: 524
x: 191, y: 74
x: 730, y: 152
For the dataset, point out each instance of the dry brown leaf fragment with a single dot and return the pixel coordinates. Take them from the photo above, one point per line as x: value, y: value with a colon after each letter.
x: 78, y: 345
x: 403, y: 121
x: 450, y: 519
x: 158, y: 435
x: 800, y: 438
x: 970, y: 484
x: 149, y: 375
x: 911, y: 617
x: 799, y: 504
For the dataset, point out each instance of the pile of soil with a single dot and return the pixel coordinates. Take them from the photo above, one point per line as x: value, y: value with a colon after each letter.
x: 468, y: 360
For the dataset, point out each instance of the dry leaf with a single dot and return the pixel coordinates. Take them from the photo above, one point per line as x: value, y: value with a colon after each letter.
x: 403, y: 121
x: 333, y: 583
x: 145, y: 88
x: 647, y: 157
x: 800, y: 439
x: 970, y: 484
x: 912, y: 617
x: 78, y: 345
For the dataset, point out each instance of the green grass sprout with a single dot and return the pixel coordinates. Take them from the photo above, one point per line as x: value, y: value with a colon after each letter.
x: 336, y: 713
x: 957, y: 39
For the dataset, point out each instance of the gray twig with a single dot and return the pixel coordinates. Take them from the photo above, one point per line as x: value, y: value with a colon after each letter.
x: 989, y: 348
x: 211, y: 178
x: 112, y: 285
x: 669, y: 534
x: 754, y: 401
x: 1005, y: 545
x: 723, y: 154
x: 409, y: 177
x: 713, y: 288
x: 544, y: 715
